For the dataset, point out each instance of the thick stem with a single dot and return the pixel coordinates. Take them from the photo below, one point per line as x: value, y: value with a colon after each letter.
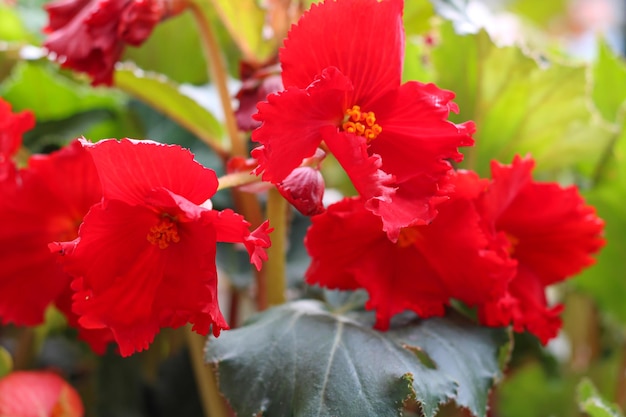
x: 213, y: 403
x: 275, y: 265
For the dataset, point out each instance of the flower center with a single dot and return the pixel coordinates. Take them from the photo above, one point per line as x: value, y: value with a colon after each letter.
x: 408, y: 236
x: 361, y: 123
x: 513, y: 243
x: 163, y: 233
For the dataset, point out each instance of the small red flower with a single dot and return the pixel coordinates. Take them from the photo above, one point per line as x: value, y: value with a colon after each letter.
x: 342, y: 81
x: 12, y: 127
x: 42, y: 203
x: 145, y: 256
x: 90, y: 35
x: 551, y: 233
x: 424, y: 269
x: 37, y: 394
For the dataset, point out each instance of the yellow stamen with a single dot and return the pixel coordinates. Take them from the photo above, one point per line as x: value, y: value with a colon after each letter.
x: 164, y: 233
x: 361, y: 123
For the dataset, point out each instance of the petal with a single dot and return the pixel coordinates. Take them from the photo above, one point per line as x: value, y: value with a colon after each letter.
x: 130, y: 169
x: 233, y: 228
x: 134, y: 287
x: 349, y: 250
x: 415, y: 145
x: 346, y: 35
x: 554, y: 233
x: 524, y: 307
x: 364, y: 171
x: 44, y: 203
x: 292, y: 123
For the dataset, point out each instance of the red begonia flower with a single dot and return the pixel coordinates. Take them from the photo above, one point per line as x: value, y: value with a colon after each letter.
x: 257, y: 81
x: 89, y: 35
x: 423, y: 270
x: 342, y: 82
x: 551, y: 233
x: 37, y: 394
x: 12, y: 127
x: 145, y: 256
x: 44, y: 202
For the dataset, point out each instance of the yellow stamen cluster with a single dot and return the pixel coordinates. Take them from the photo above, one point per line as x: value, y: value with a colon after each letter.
x: 361, y: 123
x: 164, y: 233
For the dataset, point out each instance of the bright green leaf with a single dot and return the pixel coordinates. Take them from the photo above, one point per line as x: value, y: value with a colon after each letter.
x: 519, y: 105
x: 609, y: 83
x: 166, y: 97
x: 540, y: 12
x: 34, y: 86
x: 300, y: 360
x: 11, y: 27
x: 606, y: 280
x: 592, y: 403
x: 6, y: 362
x: 417, y: 16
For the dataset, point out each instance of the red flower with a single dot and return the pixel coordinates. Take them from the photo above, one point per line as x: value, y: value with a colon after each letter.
x: 89, y: 35
x: 343, y: 87
x: 44, y: 202
x: 12, y: 127
x: 423, y: 270
x: 36, y: 394
x: 145, y: 256
x: 549, y: 231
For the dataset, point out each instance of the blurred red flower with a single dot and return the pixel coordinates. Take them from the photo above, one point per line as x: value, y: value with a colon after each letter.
x: 37, y: 394
x: 342, y: 82
x: 43, y: 202
x: 90, y: 35
x: 424, y: 269
x: 145, y: 255
x: 551, y: 233
x: 12, y: 127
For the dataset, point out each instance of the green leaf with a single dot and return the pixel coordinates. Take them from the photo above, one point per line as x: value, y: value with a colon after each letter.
x: 165, y: 96
x: 609, y: 89
x: 174, y: 50
x: 539, y: 12
x: 520, y: 105
x: 300, y: 360
x: 6, y: 362
x: 606, y: 280
x: 592, y: 403
x: 11, y: 27
x: 35, y: 86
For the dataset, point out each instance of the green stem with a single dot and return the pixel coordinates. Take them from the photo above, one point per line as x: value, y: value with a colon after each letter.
x: 213, y: 403
x: 219, y: 76
x: 275, y: 265
x: 245, y: 203
x: 236, y: 180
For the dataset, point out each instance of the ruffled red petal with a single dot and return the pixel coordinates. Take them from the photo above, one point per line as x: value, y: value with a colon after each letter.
x: 293, y: 120
x: 44, y: 203
x: 134, y: 287
x: 12, y: 127
x: 130, y: 169
x: 428, y: 266
x: 415, y: 145
x: 553, y: 232
x: 89, y: 35
x: 346, y: 35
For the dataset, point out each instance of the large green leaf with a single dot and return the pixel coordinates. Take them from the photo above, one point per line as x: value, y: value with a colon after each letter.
x: 35, y: 86
x: 6, y: 362
x: 609, y: 88
x: 174, y: 50
x: 299, y: 359
x: 592, y: 403
x: 166, y: 97
x: 519, y: 104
